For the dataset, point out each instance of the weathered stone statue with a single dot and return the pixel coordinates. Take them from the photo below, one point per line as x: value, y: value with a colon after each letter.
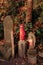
x: 31, y: 53
x: 31, y: 39
x: 21, y: 43
x: 8, y: 33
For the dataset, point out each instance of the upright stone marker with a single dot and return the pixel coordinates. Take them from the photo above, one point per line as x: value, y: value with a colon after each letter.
x: 8, y: 28
x: 22, y: 42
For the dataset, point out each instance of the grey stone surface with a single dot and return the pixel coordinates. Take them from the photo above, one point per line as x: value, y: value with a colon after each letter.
x: 8, y: 27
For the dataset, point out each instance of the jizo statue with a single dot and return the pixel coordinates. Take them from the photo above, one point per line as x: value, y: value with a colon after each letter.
x: 31, y: 39
x: 21, y: 43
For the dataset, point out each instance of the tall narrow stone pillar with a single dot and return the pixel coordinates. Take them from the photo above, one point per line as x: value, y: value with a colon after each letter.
x: 8, y: 32
x: 22, y: 42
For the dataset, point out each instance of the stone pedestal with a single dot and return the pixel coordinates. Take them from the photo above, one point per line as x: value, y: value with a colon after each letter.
x: 32, y: 59
x: 21, y: 48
